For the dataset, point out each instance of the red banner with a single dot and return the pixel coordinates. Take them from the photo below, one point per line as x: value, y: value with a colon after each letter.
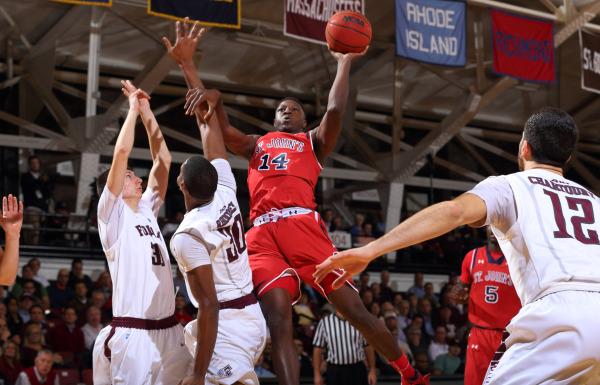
x: 307, y: 19
x: 523, y: 47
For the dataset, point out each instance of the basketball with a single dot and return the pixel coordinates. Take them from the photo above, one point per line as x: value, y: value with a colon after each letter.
x: 348, y: 32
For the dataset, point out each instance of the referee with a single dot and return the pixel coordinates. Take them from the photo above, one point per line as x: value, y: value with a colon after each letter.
x: 346, y: 353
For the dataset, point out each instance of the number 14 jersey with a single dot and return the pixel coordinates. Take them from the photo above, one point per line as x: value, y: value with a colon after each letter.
x: 548, y: 229
x: 283, y: 172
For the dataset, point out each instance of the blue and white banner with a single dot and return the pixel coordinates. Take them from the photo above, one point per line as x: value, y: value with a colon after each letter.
x: 431, y: 31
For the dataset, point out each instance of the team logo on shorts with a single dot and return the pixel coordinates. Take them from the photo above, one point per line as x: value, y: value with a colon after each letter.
x: 225, y: 372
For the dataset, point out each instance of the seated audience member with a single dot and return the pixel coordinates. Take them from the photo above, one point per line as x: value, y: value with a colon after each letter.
x: 387, y: 294
x: 403, y: 319
x: 438, y: 345
x: 13, y: 319
x: 33, y: 342
x: 425, y: 311
x: 449, y: 363
x: 182, y: 312
x: 431, y: 296
x: 357, y: 228
x: 417, y: 288
x: 41, y: 372
x: 60, y: 294
x: 99, y: 300
x: 4, y: 331
x: 422, y: 362
x: 10, y: 362
x: 104, y: 283
x: 36, y: 315
x: 67, y: 339
x: 92, y: 327
x: 36, y: 266
x: 415, y: 341
x: 76, y: 274
x: 337, y: 224
x: 26, y: 301
x: 80, y: 300
x: 375, y: 309
x: 27, y: 276
x: 363, y: 282
x: 445, y: 319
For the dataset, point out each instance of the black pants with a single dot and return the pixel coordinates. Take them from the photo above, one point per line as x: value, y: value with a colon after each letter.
x: 353, y: 374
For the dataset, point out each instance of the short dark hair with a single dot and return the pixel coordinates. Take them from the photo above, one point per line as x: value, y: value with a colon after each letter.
x: 32, y: 157
x: 101, y: 181
x: 76, y: 260
x: 552, y: 135
x: 200, y: 177
x: 293, y: 99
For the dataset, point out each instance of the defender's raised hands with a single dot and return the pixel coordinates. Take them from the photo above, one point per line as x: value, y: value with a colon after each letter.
x: 11, y: 218
x: 139, y: 100
x: 204, y: 100
x: 186, y: 41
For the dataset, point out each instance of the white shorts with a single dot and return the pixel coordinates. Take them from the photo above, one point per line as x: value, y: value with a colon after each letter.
x: 554, y: 340
x: 153, y: 357
x: 241, y: 338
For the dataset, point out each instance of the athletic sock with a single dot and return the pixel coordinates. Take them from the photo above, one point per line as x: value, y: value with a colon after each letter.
x: 403, y: 367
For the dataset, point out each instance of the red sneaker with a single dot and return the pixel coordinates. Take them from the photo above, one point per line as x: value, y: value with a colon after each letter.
x: 417, y: 379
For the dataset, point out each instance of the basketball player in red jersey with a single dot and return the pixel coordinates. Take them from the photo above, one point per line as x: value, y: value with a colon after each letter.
x: 288, y: 238
x: 493, y: 302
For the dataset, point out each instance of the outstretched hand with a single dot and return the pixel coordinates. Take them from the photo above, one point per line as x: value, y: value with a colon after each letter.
x: 186, y: 41
x: 139, y: 100
x: 352, y: 56
x: 11, y: 218
x: 201, y: 100
x: 352, y: 261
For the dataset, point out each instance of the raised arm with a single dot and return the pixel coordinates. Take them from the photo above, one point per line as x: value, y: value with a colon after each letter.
x: 182, y: 52
x: 10, y: 221
x: 124, y: 144
x: 326, y: 134
x: 161, y: 157
x: 467, y: 209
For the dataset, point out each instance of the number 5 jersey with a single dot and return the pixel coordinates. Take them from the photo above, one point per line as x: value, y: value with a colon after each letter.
x: 214, y: 234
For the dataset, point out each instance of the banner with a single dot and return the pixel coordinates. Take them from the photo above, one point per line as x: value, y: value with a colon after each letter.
x: 590, y: 61
x: 431, y: 31
x: 212, y: 13
x: 307, y: 19
x: 103, y: 3
x: 523, y: 47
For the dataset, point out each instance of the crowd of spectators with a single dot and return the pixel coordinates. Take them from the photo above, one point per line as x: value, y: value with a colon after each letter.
x: 59, y: 318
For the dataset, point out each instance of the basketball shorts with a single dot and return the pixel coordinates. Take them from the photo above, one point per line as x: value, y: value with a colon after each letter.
x: 482, y: 345
x: 148, y: 357
x: 241, y: 338
x: 284, y: 253
x: 553, y: 341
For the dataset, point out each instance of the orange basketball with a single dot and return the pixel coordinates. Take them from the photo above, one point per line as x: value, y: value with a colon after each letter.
x: 347, y: 32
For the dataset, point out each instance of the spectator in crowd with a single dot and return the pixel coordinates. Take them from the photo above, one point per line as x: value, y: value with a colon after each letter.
x: 98, y: 300
x: 375, y: 309
x: 25, y: 303
x: 36, y: 315
x: 80, y: 300
x: 306, y: 369
x: 413, y: 301
x: 363, y: 281
x: 33, y: 342
x: 104, y: 283
x: 449, y: 363
x: 41, y: 373
x: 4, y: 331
x: 13, y: 319
x: 380, y: 224
x: 376, y: 289
x: 347, y: 352
x: 367, y: 298
x: 403, y: 314
x: 76, y: 274
x: 67, y: 339
x: 60, y: 294
x: 357, y: 228
x: 417, y: 288
x: 10, y: 362
x: 92, y: 327
x: 422, y: 362
x: 327, y: 217
x: 36, y: 191
x: 182, y: 312
x: 425, y: 311
x: 36, y: 266
x: 387, y: 294
x: 415, y: 340
x: 431, y: 296
x: 438, y: 345
x: 338, y: 224
x: 445, y: 319
x: 27, y: 275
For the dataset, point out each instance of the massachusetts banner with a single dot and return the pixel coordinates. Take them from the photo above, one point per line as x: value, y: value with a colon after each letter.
x: 590, y: 61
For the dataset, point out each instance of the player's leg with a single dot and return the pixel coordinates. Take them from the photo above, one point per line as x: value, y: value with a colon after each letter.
x: 175, y: 359
x: 481, y: 346
x: 101, y: 364
x: 134, y: 358
x: 277, y: 287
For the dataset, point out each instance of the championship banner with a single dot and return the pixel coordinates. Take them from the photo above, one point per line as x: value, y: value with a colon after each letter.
x: 590, y: 61
x: 307, y: 19
x: 102, y: 3
x: 212, y: 13
x: 523, y: 47
x: 431, y: 31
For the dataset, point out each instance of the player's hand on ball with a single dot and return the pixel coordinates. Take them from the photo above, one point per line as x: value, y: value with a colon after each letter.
x: 352, y: 261
x: 348, y: 56
x: 186, y: 41
x: 138, y: 98
x: 204, y: 101
x: 191, y: 380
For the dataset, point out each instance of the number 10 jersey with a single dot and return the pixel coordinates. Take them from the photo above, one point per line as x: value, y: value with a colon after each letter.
x: 548, y: 229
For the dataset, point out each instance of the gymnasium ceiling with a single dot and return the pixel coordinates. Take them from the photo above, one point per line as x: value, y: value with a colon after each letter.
x: 257, y: 65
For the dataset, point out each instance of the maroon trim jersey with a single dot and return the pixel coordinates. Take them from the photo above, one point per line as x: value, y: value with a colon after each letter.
x: 493, y: 301
x: 282, y: 172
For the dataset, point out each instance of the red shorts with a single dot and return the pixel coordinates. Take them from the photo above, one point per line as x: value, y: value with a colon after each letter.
x: 284, y: 253
x: 481, y: 347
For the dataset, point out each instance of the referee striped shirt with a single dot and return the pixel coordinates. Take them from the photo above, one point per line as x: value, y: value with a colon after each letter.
x: 344, y: 343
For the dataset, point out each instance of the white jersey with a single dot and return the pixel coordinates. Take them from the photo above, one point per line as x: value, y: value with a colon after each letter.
x: 548, y: 229
x: 214, y: 234
x: 137, y: 256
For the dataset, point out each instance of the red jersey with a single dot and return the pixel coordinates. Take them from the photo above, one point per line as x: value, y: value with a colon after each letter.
x: 283, y: 172
x: 493, y: 301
